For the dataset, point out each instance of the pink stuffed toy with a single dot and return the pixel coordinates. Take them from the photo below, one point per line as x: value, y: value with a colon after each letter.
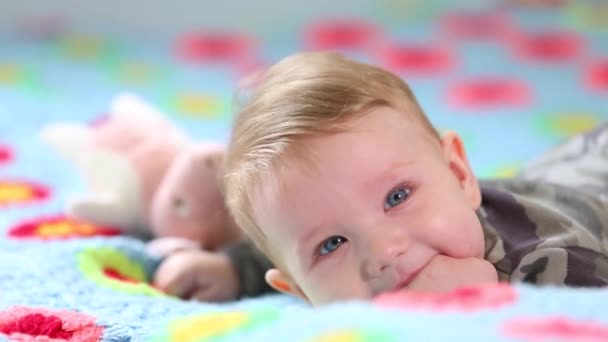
x: 147, y: 177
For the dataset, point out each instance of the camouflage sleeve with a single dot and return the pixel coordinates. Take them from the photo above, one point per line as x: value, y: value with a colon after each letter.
x: 545, y: 233
x: 580, y: 161
x: 571, y: 266
x: 251, y: 266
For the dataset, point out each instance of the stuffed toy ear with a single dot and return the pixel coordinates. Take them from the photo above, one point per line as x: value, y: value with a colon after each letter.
x: 67, y: 138
x: 111, y: 157
x: 134, y: 110
x: 131, y: 105
x: 114, y: 192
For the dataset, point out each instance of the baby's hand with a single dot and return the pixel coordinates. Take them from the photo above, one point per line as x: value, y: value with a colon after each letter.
x: 200, y: 275
x: 444, y: 274
x: 164, y: 246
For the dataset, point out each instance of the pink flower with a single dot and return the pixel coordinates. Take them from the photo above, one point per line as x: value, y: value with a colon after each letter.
x: 556, y: 329
x: 465, y: 299
x: 37, y: 324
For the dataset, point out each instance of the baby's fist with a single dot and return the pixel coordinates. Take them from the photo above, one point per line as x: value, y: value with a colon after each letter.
x: 444, y: 274
x: 197, y: 274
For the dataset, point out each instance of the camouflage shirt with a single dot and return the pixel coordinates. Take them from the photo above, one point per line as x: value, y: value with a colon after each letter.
x: 547, y: 225
x: 251, y: 266
x: 545, y: 233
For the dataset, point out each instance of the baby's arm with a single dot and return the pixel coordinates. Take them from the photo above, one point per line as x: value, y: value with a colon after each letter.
x: 251, y: 266
x: 238, y: 271
x: 581, y: 161
x: 571, y: 266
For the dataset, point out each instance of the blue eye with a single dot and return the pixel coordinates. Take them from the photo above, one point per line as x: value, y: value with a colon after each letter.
x: 395, y: 198
x: 331, y: 244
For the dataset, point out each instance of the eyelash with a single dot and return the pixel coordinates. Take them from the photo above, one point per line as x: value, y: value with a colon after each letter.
x: 403, y: 185
x: 318, y: 256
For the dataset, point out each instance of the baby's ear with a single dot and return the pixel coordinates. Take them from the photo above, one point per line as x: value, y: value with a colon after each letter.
x: 456, y: 157
x: 283, y: 283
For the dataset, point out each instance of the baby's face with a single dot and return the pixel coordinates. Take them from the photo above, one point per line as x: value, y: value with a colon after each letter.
x: 370, y: 209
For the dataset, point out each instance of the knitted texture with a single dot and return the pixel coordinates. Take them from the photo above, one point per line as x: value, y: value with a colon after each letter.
x: 509, y: 90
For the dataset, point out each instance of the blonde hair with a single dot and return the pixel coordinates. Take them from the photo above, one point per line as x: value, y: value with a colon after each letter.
x: 303, y: 95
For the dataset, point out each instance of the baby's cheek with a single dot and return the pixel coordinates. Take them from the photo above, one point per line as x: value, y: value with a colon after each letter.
x: 470, y: 239
x: 318, y: 290
x: 337, y: 283
x: 337, y: 291
x: 458, y: 234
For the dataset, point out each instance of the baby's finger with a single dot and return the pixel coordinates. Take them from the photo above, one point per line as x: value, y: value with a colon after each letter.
x: 178, y: 284
x: 204, y: 294
x: 182, y: 288
x: 210, y: 294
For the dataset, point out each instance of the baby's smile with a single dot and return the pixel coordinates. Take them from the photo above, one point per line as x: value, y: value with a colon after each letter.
x: 405, y: 278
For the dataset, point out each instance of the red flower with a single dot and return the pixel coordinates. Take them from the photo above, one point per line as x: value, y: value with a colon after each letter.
x: 116, y: 270
x: 20, y: 192
x: 37, y: 324
x: 483, y: 93
x: 6, y: 154
x: 465, y: 299
x: 465, y: 25
x: 416, y: 59
x: 343, y: 33
x: 556, y: 329
x: 216, y: 47
x: 549, y: 46
x: 596, y: 76
x: 113, y: 273
x: 58, y: 227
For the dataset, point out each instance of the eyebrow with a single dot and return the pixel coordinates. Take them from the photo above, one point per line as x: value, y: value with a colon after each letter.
x: 391, y: 175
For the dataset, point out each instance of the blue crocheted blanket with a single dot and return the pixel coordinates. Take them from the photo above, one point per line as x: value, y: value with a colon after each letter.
x: 511, y: 82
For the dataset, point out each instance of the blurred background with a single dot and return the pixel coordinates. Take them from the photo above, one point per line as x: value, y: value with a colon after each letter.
x: 513, y: 77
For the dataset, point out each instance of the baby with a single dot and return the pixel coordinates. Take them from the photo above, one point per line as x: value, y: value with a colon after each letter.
x: 337, y: 176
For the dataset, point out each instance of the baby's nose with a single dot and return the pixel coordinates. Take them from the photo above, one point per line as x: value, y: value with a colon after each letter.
x: 381, y: 256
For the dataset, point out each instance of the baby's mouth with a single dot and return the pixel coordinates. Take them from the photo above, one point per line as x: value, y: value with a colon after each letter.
x: 405, y: 281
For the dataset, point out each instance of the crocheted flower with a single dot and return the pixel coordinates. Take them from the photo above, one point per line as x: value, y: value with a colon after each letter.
x: 465, y: 299
x: 213, y: 48
x: 136, y: 73
x: 208, y: 326
x: 58, y: 227
x: 563, y: 125
x: 113, y: 269
x: 6, y: 154
x: 558, y: 329
x: 548, y: 46
x: 596, y: 75
x: 490, y: 93
x: 355, y: 335
x: 11, y: 74
x: 198, y: 105
x: 37, y: 324
x: 19, y: 192
x: 85, y: 47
